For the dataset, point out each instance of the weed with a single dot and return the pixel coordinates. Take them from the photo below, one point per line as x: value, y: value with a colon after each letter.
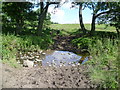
x: 82, y: 42
x: 104, y: 63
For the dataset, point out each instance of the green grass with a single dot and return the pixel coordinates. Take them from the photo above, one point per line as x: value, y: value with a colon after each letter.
x: 11, y: 44
x: 69, y: 28
x: 65, y: 28
x: 103, y: 65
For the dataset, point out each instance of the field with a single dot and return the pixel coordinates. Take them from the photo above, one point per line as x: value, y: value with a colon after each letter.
x: 69, y: 28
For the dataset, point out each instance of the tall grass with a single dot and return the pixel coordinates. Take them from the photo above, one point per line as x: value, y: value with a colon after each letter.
x: 103, y: 65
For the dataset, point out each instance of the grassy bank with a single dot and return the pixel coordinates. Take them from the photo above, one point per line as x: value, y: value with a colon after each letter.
x: 103, y: 69
x: 103, y: 65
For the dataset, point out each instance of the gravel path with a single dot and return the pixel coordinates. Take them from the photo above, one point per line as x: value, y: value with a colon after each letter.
x: 46, y: 77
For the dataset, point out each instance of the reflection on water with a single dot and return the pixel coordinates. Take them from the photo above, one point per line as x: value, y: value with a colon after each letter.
x: 59, y: 58
x: 51, y: 58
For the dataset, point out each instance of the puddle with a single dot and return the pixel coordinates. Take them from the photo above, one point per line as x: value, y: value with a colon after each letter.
x: 50, y: 58
x: 61, y: 58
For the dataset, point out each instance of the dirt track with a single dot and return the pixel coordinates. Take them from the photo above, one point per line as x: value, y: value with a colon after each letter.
x: 47, y: 77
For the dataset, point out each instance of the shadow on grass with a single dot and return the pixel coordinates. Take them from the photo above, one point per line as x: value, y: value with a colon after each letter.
x: 100, y: 34
x: 26, y: 40
x: 105, y: 34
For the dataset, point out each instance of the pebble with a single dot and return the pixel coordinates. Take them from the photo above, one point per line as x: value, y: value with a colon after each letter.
x: 49, y: 65
x: 21, y: 57
x: 43, y: 53
x: 37, y: 56
x: 40, y: 51
x: 73, y: 64
x: 18, y: 61
x: 78, y: 64
x: 60, y: 65
x: 38, y: 60
x: 47, y: 62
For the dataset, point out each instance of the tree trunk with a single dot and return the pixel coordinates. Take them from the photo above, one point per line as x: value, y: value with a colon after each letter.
x: 19, y: 26
x: 17, y: 31
x: 95, y: 15
x: 81, y: 19
x: 93, y: 25
x: 118, y: 32
x: 41, y: 19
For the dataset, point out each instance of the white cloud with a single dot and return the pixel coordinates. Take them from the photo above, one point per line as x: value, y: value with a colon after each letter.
x: 62, y: 16
x: 50, y: 9
x: 58, y: 16
x: 67, y: 5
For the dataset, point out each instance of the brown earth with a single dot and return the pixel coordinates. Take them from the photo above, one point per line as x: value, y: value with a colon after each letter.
x: 63, y: 43
x: 46, y: 77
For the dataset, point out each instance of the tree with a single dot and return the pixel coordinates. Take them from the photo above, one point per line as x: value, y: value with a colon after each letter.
x: 24, y: 18
x: 98, y: 8
x: 15, y: 14
x: 43, y: 12
x: 113, y: 19
x: 81, y: 5
x: 47, y: 20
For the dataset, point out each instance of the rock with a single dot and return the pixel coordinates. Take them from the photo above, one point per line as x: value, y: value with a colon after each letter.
x: 38, y: 60
x: 37, y: 56
x: 21, y: 57
x: 28, y: 63
x: 40, y: 51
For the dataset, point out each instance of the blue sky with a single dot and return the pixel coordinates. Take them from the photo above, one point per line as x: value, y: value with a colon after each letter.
x: 67, y: 15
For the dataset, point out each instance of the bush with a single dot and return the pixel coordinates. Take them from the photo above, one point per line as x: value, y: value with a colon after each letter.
x: 82, y: 42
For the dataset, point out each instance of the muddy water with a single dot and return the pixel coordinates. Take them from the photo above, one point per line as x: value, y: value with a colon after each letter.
x: 61, y: 58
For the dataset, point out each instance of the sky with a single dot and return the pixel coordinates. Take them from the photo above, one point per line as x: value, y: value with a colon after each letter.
x: 67, y: 15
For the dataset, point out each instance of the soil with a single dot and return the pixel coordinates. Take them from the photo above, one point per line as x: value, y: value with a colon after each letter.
x: 64, y: 43
x: 46, y: 77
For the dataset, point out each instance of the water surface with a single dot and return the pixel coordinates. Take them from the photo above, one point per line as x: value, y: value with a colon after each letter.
x: 50, y: 58
x: 61, y: 58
